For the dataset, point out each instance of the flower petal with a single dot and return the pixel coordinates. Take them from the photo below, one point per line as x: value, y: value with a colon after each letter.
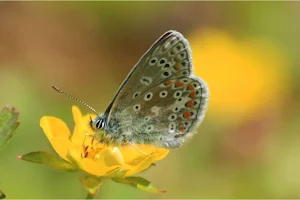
x: 82, y: 126
x: 61, y: 146
x: 111, y: 157
x: 107, y: 161
x: 99, y: 159
x: 79, y: 135
x: 54, y: 127
x: 57, y: 133
x: 131, y: 154
x: 142, y: 165
x: 161, y: 153
x: 95, y: 168
x: 76, y: 114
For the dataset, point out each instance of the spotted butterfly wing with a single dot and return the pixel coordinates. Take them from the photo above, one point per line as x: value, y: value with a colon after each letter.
x: 161, y: 101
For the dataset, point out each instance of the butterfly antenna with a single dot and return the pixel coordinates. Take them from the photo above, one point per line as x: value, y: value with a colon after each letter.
x: 78, y: 100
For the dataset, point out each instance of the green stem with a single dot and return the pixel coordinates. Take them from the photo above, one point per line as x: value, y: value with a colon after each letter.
x: 89, y: 196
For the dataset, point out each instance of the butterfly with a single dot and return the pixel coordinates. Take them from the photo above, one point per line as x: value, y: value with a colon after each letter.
x: 161, y: 102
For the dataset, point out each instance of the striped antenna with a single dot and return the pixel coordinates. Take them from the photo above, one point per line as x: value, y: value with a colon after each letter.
x: 78, y: 100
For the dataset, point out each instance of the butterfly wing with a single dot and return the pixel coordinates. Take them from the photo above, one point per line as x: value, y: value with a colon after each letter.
x: 160, y: 101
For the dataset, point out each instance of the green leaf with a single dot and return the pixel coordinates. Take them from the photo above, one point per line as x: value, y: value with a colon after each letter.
x: 8, y: 124
x: 117, y: 172
x: 139, y: 183
x: 91, y: 183
x: 2, y: 195
x: 49, y: 160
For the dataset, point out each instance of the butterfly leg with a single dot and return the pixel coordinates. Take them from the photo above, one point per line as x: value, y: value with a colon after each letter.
x: 85, y: 147
x: 138, y: 149
x: 90, y: 135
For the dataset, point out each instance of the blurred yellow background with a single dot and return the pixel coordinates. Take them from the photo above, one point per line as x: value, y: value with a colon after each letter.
x: 248, y: 52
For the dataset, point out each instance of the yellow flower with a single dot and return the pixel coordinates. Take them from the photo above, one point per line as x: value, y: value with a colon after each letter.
x: 95, y: 158
x: 245, y: 77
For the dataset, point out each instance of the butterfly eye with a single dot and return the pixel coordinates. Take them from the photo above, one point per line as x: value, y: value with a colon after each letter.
x: 97, y: 124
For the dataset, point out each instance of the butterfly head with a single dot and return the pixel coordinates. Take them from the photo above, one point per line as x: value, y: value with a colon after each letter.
x: 98, y: 123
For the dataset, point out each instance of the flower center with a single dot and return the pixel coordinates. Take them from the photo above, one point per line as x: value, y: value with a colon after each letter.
x: 91, y: 148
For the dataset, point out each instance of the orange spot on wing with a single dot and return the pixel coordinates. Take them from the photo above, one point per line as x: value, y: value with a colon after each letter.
x: 190, y: 87
x: 190, y: 104
x: 179, y: 84
x: 193, y: 95
x: 178, y: 66
x: 168, y: 82
x: 187, y: 114
x: 181, y: 127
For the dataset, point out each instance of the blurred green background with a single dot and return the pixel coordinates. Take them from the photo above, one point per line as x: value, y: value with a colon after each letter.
x: 248, y: 52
